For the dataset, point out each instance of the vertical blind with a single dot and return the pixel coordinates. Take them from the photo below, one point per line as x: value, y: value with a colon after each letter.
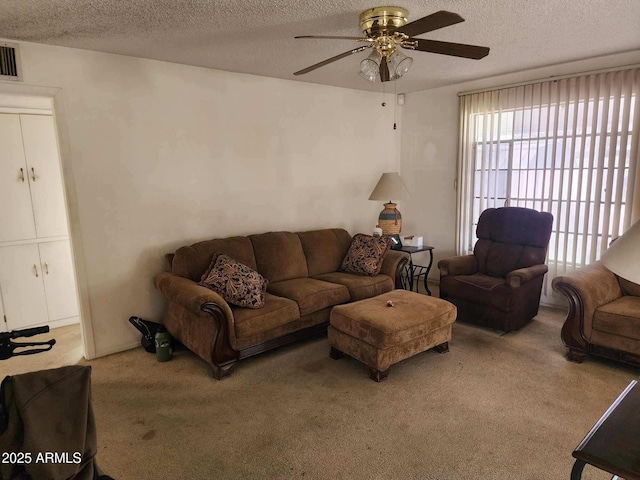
x: 568, y: 147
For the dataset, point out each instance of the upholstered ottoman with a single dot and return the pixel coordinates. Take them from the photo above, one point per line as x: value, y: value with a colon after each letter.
x: 380, y: 335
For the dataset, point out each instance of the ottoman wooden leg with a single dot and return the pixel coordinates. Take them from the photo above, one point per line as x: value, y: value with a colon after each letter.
x: 442, y: 348
x: 378, y: 375
x: 336, y: 354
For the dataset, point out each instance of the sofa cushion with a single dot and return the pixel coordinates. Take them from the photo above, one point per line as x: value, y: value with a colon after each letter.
x: 235, y: 282
x: 310, y: 294
x: 277, y: 311
x: 324, y: 249
x: 365, y: 254
x: 191, y: 262
x: 279, y: 255
x: 620, y: 317
x: 359, y: 286
x: 478, y: 288
x: 629, y: 288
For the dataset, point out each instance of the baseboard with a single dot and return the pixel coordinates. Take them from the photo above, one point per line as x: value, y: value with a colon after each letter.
x: 63, y: 322
x: 124, y: 348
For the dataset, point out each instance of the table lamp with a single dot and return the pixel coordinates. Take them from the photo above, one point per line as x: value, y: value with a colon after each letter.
x: 623, y: 256
x: 390, y: 186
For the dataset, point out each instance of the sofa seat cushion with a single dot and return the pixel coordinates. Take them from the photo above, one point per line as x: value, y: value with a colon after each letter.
x: 620, y: 317
x: 478, y: 288
x: 359, y: 286
x: 277, y: 311
x: 310, y: 294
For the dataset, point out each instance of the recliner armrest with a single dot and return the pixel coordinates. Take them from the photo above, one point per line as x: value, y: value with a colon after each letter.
x: 523, y: 275
x: 461, y: 265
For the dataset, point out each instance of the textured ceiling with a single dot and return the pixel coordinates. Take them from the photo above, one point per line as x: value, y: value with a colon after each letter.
x: 256, y: 36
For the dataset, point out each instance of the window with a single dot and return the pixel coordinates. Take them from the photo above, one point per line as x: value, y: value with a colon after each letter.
x: 569, y: 147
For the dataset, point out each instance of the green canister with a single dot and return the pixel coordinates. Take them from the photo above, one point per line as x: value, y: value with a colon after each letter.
x: 163, y: 345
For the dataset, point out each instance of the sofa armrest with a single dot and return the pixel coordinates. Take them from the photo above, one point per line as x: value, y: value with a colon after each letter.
x: 200, y: 319
x: 523, y: 275
x: 394, y: 264
x: 586, y: 289
x: 460, y: 265
x: 189, y: 294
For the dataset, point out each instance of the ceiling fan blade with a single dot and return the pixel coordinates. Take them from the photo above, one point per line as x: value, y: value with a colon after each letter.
x: 360, y: 39
x: 447, y: 48
x: 384, y: 69
x: 430, y: 23
x: 332, y: 59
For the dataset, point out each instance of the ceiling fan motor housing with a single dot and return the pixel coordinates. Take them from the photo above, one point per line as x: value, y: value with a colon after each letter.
x: 382, y: 20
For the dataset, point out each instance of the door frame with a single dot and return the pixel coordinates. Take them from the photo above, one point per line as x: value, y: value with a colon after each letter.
x: 55, y: 95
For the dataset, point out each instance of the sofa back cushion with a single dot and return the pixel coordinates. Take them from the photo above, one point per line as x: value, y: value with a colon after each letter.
x: 628, y: 287
x: 191, y: 262
x: 279, y: 256
x: 510, y: 238
x: 324, y: 249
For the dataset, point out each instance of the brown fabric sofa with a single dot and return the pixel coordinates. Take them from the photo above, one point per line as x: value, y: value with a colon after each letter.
x: 499, y: 285
x: 604, y: 314
x: 304, y: 284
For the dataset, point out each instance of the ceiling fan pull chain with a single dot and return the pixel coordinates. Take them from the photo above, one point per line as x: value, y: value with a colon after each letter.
x: 395, y: 104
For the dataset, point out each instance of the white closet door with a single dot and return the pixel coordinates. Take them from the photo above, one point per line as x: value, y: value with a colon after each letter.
x: 21, y: 286
x: 59, y: 281
x: 16, y: 214
x: 43, y: 169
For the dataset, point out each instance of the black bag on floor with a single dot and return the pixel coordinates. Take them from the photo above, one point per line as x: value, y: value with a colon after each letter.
x: 148, y: 330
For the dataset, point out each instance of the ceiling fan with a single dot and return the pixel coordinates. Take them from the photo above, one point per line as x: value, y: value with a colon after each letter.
x: 386, y: 29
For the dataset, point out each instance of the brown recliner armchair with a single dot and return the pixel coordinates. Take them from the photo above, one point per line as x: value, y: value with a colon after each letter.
x: 499, y: 285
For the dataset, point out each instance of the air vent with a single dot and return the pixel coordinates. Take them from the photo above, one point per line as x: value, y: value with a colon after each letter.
x: 10, y: 62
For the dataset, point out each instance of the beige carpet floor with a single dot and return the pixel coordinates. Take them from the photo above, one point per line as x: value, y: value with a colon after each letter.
x: 494, y: 407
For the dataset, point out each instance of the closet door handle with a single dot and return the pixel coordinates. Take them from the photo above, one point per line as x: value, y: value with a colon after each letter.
x: 33, y: 174
x: 21, y: 175
x: 35, y: 269
x: 46, y: 268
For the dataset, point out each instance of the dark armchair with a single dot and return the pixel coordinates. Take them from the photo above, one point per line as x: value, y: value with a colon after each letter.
x: 499, y: 285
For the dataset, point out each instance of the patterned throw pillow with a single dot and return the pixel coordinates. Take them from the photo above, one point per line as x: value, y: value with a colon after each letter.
x: 235, y: 282
x: 365, y: 254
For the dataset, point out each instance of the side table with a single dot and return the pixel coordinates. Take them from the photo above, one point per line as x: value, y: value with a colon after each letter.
x: 613, y: 444
x: 413, y: 272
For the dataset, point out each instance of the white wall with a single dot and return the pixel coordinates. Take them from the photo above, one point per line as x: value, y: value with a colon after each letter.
x: 159, y: 155
x: 430, y: 126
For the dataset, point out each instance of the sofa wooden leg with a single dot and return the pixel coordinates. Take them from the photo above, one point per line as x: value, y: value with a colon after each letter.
x: 336, y: 354
x: 378, y: 375
x: 442, y: 348
x: 574, y: 355
x: 224, y: 370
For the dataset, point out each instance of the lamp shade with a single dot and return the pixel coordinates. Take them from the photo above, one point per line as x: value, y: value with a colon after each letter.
x: 390, y: 187
x: 623, y: 256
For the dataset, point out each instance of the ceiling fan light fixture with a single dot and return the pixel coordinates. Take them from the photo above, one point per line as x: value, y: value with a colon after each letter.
x: 399, y: 64
x: 370, y: 66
